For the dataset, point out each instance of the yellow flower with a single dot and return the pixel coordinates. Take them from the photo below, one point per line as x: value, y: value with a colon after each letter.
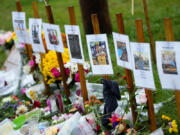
x: 32, y: 94
x: 49, y: 62
x: 165, y: 117
x: 86, y: 106
x: 8, y: 40
x: 170, y: 130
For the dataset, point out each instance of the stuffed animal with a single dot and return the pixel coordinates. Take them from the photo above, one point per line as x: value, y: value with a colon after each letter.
x: 111, y: 94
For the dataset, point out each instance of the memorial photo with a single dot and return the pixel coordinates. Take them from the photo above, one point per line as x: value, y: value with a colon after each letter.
x: 141, y: 61
x: 52, y: 35
x: 169, y: 62
x: 19, y: 24
x: 35, y: 33
x: 99, y: 53
x: 74, y: 44
x: 122, y: 51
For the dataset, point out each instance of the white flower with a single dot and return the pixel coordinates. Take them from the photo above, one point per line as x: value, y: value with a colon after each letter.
x: 21, y: 109
x: 26, y: 69
x: 86, y: 66
x: 68, y: 65
x: 38, y: 58
x: 74, y: 68
x: 7, y: 99
x: 141, y: 96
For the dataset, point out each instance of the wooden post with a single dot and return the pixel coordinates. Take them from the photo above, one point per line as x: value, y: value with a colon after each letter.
x: 36, y: 15
x: 84, y: 92
x: 96, y: 29
x: 59, y: 55
x: 28, y: 48
x: 149, y: 31
x: 151, y: 113
x: 129, y: 78
x: 170, y: 37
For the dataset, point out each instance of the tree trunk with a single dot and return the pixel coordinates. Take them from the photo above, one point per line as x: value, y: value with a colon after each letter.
x: 99, y: 7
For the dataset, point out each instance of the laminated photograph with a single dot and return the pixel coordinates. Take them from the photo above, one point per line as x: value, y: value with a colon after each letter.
x: 19, y: 25
x: 74, y: 43
x: 53, y: 37
x: 99, y: 54
x: 122, y: 50
x: 35, y: 35
x: 168, y: 55
x: 141, y: 64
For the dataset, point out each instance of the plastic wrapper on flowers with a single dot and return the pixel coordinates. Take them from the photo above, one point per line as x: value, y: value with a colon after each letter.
x: 76, y: 125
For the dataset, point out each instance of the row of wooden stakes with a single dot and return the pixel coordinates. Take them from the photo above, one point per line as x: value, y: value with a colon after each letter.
x: 128, y: 74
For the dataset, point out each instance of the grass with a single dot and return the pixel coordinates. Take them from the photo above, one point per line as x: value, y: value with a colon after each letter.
x: 158, y: 10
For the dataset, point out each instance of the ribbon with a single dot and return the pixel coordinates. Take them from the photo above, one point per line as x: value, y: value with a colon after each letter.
x: 60, y: 102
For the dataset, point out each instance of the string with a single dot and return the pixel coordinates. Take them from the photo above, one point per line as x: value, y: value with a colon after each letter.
x: 132, y: 10
x: 46, y: 2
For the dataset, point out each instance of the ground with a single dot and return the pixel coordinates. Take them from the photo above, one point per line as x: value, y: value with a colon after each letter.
x: 158, y: 10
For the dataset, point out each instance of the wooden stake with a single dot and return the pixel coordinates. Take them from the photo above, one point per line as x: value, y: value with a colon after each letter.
x: 149, y: 31
x: 28, y: 48
x: 96, y: 29
x: 151, y: 114
x: 170, y: 37
x: 84, y: 92
x: 36, y: 15
x: 59, y: 55
x: 129, y: 78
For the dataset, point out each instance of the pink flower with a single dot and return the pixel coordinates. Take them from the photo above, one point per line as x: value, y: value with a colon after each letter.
x: 67, y: 71
x: 55, y: 72
x: 47, y: 109
x: 8, y: 35
x: 2, y: 40
x: 23, y: 90
x: 77, y: 79
x: 143, y: 99
x: 21, y: 45
x: 32, y: 63
x: 48, y: 103
x: 55, y: 118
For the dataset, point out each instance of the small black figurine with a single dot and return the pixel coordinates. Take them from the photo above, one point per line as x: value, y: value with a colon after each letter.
x: 111, y: 94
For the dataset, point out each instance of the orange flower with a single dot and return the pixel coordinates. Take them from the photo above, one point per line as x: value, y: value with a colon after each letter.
x: 93, y: 97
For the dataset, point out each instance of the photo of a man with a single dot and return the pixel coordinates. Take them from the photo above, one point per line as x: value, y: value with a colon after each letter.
x: 52, y: 34
x: 99, y: 53
x: 74, y: 46
x: 169, y: 62
x: 141, y: 61
x: 122, y: 51
x: 35, y: 33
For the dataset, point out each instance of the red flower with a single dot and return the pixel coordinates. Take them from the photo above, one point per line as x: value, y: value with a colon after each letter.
x: 15, y: 98
x: 98, y: 128
x: 36, y: 104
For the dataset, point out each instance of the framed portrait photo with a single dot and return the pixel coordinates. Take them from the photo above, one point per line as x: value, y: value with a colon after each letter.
x: 74, y: 43
x: 53, y: 37
x: 122, y: 50
x: 99, y: 54
x: 168, y: 64
x: 141, y: 64
x: 19, y: 25
x: 35, y: 35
